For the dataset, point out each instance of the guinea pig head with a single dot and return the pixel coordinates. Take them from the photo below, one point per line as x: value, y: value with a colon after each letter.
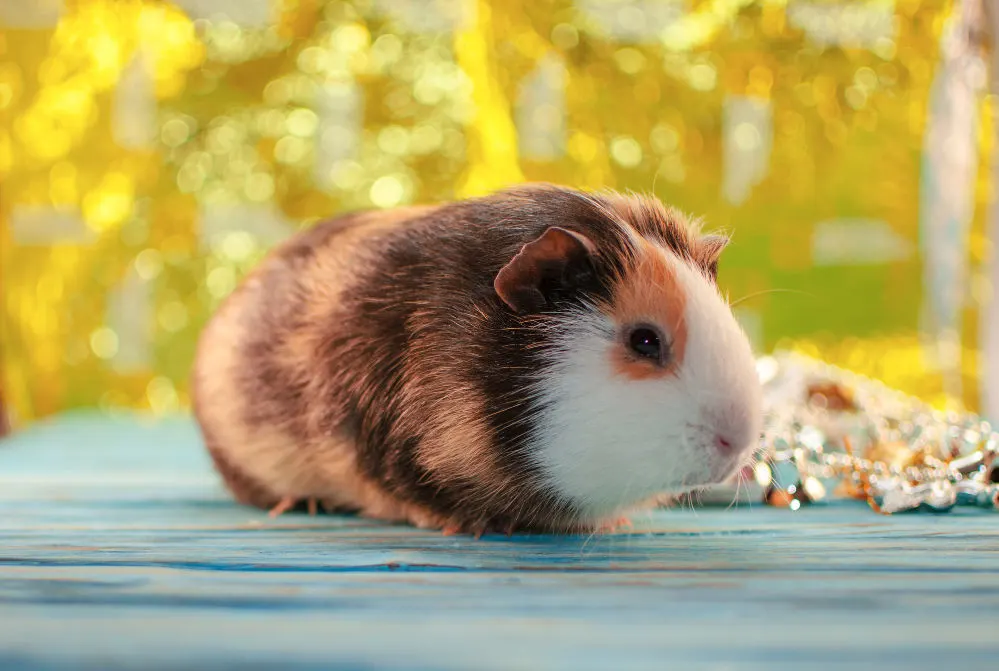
x: 648, y: 384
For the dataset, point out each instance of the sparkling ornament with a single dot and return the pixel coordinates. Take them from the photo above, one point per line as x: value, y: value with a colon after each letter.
x: 824, y: 425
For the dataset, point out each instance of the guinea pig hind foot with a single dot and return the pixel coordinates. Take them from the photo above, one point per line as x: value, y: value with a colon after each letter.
x: 610, y: 526
x: 289, y: 502
x: 475, y: 531
x: 424, y: 519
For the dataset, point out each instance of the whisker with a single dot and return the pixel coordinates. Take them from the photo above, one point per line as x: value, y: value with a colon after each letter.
x: 739, y: 481
x: 771, y: 291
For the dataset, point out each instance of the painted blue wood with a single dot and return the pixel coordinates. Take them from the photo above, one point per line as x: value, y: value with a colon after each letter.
x: 118, y: 549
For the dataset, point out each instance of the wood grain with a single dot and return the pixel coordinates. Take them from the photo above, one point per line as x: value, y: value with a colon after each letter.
x: 119, y: 550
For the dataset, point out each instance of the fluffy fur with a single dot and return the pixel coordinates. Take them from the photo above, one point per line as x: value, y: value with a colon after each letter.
x: 462, y: 367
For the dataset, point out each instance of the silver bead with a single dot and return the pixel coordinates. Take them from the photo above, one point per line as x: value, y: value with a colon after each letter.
x: 940, y: 496
x: 813, y: 406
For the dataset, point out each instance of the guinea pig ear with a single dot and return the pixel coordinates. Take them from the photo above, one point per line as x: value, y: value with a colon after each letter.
x: 711, y: 248
x: 558, y: 255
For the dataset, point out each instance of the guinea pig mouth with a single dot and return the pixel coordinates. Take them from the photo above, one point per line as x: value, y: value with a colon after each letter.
x: 725, y: 471
x: 723, y: 452
x: 713, y: 475
x: 716, y: 469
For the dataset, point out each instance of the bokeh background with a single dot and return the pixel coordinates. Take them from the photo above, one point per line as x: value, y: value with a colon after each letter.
x: 151, y: 152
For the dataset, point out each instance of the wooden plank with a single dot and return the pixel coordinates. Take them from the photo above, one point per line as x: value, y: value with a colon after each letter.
x: 118, y: 549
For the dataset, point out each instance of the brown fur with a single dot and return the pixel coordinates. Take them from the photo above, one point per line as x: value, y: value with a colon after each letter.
x: 369, y: 363
x: 649, y: 292
x: 325, y: 467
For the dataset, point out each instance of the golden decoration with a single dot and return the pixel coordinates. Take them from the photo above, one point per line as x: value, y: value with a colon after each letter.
x: 130, y: 128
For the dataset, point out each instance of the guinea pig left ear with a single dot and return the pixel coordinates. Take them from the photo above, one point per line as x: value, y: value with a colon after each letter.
x: 711, y: 248
x: 553, y: 259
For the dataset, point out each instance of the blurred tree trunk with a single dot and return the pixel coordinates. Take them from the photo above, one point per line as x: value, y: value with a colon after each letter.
x: 4, y: 423
x: 989, y: 315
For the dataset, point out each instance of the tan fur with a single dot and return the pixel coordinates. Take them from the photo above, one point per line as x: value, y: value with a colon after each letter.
x: 649, y: 292
x: 457, y: 443
x: 323, y: 469
x: 645, y: 214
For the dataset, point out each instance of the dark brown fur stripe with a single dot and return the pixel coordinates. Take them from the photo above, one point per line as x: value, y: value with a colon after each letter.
x: 453, y: 256
x: 427, y: 286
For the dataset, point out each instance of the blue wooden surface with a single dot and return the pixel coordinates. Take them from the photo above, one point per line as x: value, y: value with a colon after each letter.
x: 118, y: 549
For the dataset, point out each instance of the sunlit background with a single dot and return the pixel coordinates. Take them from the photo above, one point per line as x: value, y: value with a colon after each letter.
x: 151, y: 152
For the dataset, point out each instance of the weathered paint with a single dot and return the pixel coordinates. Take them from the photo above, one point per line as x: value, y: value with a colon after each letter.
x: 118, y: 549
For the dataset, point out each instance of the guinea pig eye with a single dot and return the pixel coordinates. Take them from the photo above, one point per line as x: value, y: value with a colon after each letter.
x: 645, y: 343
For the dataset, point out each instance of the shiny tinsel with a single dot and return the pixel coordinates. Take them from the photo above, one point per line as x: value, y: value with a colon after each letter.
x: 829, y: 432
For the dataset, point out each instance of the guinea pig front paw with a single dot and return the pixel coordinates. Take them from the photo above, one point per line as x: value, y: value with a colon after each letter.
x: 283, y: 506
x: 290, y: 502
x: 475, y: 529
x: 456, y: 529
x: 424, y: 519
x: 610, y: 526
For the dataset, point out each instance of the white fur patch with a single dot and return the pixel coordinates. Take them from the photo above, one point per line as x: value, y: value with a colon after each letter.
x: 608, y: 443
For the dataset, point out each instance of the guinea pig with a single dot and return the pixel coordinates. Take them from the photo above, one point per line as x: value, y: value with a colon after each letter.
x: 540, y: 359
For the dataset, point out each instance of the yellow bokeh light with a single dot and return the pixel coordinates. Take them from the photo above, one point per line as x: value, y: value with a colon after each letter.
x: 626, y: 151
x: 104, y: 342
x: 340, y: 106
x: 110, y: 203
x: 162, y: 395
x: 387, y: 191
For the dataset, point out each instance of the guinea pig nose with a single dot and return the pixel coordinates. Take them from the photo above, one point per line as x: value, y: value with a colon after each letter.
x: 723, y: 444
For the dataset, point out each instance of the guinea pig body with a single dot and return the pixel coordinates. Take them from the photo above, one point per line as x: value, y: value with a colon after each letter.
x: 537, y: 359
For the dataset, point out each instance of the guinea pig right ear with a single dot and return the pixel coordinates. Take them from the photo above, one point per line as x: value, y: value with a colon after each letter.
x: 712, y: 247
x: 522, y: 282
